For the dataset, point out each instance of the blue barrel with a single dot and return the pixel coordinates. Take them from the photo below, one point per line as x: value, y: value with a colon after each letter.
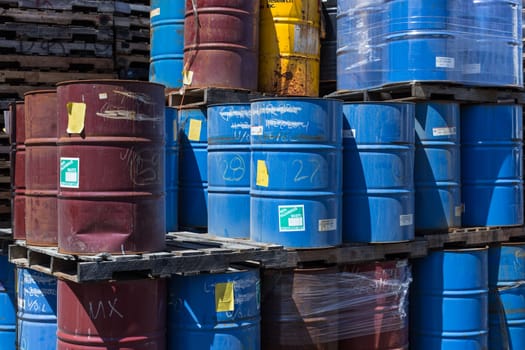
x: 424, y: 55
x: 437, y: 166
x: 449, y: 301
x: 193, y: 169
x: 507, y: 296
x: 378, y: 167
x: 37, y: 310
x: 229, y: 170
x: 491, y: 164
x: 167, y: 42
x: 492, y: 61
x: 215, y: 311
x: 498, y: 18
x: 360, y: 44
x: 172, y: 169
x: 7, y: 304
x: 417, y: 14
x: 295, y: 188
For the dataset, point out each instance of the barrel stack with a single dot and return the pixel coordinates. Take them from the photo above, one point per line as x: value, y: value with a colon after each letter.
x: 296, y: 174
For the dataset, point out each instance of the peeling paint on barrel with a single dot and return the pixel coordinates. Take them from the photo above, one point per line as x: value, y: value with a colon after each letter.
x: 125, y: 314
x: 111, y: 193
x: 41, y: 167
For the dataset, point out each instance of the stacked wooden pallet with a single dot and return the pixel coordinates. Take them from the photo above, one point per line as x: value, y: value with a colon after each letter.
x: 43, y: 42
x: 131, y: 24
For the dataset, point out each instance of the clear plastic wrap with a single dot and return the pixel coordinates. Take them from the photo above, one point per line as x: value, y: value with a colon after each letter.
x: 355, y: 306
x: 474, y: 42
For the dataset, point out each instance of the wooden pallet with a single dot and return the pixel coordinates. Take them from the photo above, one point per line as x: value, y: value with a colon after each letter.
x: 133, y: 35
x: 51, y: 48
x: 184, y: 255
x: 56, y: 63
x: 23, y: 31
x: 69, y: 5
x: 49, y: 78
x: 421, y: 91
x: 195, y: 97
x: 132, y: 67
x: 136, y: 8
x: 93, y: 20
x: 476, y: 236
x: 131, y: 22
x: 126, y: 48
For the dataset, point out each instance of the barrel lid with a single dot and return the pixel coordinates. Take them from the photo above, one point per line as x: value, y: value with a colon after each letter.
x: 294, y: 98
x: 34, y: 92
x: 386, y: 103
x: 106, y: 81
x: 229, y: 104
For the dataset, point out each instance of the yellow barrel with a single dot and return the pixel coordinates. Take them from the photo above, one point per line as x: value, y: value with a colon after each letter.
x: 289, y: 47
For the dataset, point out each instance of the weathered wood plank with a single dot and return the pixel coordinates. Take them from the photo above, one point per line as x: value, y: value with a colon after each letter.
x: 37, y: 77
x: 94, y: 20
x: 46, y: 48
x: 23, y: 31
x: 85, y: 64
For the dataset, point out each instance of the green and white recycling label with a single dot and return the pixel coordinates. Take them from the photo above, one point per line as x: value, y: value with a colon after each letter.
x: 291, y: 218
x: 69, y: 172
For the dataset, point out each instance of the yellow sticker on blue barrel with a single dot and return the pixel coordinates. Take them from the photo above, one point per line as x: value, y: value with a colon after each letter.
x: 224, y: 297
x: 194, y: 132
x: 76, y: 115
x: 262, y: 178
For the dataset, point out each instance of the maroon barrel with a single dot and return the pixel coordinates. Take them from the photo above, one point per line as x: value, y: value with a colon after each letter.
x: 41, y: 167
x: 18, y: 169
x: 111, y: 160
x: 128, y: 314
x: 221, y: 43
x: 299, y: 309
x: 374, y: 306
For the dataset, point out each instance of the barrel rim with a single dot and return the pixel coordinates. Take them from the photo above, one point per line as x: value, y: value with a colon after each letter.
x: 383, y: 103
x: 465, y: 250
x: 297, y: 98
x: 42, y: 91
x: 219, y: 104
x: 105, y: 81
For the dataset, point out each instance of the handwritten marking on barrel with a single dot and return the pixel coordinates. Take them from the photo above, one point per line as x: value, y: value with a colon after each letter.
x: 109, y: 311
x: 144, y: 166
x: 300, y: 175
x: 233, y: 170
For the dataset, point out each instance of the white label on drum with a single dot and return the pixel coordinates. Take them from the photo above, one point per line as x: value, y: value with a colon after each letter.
x: 327, y: 225
x: 444, y: 131
x: 306, y: 40
x: 445, y: 62
x: 349, y: 133
x: 154, y: 12
x: 103, y: 96
x: 256, y: 130
x: 406, y: 220
x: 474, y: 68
x: 458, y: 210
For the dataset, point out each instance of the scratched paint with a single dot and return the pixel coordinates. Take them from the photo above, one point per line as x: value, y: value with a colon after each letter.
x: 128, y: 314
x: 116, y: 203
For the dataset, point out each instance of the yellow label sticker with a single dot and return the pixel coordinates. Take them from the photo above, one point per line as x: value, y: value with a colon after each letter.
x: 195, y: 130
x: 262, y: 174
x: 187, y: 77
x: 224, y: 299
x: 76, y: 113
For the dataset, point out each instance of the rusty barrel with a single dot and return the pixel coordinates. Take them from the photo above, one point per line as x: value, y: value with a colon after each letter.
x: 221, y: 43
x: 41, y: 167
x: 111, y: 156
x: 299, y: 309
x: 18, y: 169
x: 126, y: 314
x: 290, y: 47
x: 374, y: 306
